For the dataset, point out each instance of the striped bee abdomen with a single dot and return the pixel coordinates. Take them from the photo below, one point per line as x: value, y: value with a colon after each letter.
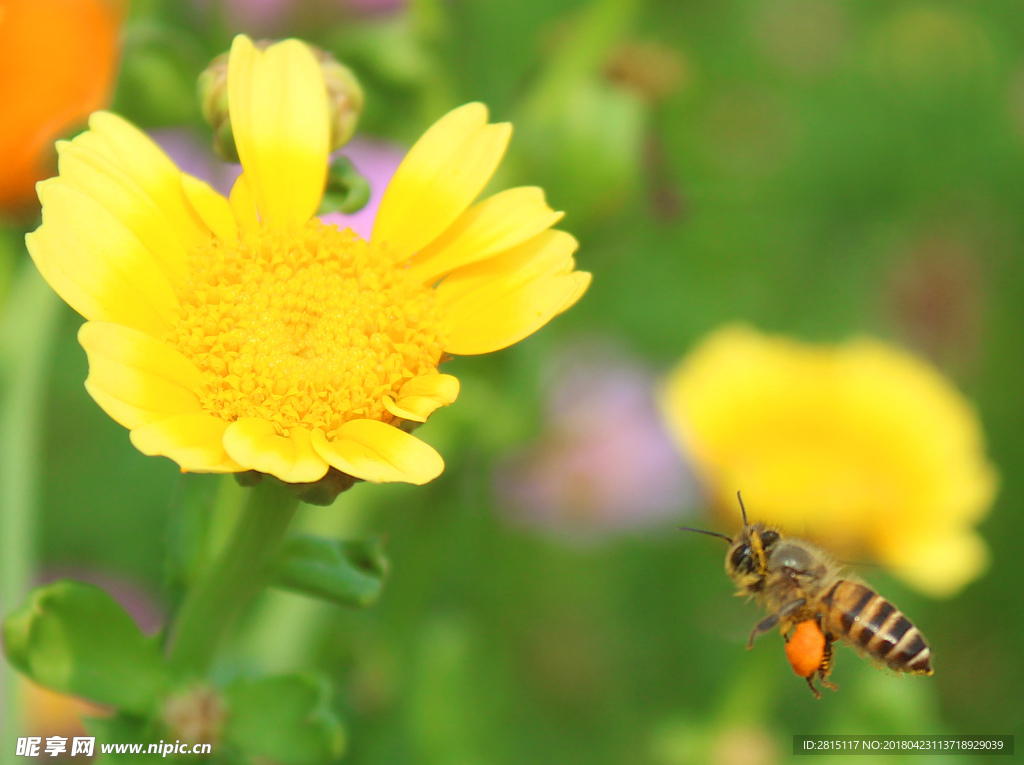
x: 863, y: 617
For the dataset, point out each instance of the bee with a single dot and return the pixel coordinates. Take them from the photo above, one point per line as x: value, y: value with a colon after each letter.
x: 807, y: 596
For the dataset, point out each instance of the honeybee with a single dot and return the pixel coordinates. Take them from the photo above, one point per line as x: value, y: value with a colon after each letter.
x: 814, y: 604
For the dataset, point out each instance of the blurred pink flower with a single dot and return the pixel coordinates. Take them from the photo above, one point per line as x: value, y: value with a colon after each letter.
x: 604, y: 461
x: 277, y: 18
x: 194, y: 155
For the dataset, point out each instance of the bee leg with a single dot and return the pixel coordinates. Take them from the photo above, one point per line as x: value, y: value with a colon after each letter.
x: 826, y: 665
x: 768, y: 623
x: 810, y: 684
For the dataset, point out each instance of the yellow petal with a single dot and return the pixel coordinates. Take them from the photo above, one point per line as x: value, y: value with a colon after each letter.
x: 255, y: 445
x: 439, y: 178
x: 548, y: 253
x: 98, y: 177
x: 496, y: 317
x: 211, y: 207
x: 243, y: 205
x: 421, y: 395
x: 497, y: 302
x: 134, y: 377
x: 194, y: 441
x: 146, y: 164
x: 489, y: 227
x: 280, y: 118
x: 97, y: 265
x: 376, y: 452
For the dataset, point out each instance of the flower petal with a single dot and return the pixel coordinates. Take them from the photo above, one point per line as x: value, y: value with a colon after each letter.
x: 97, y: 265
x: 214, y: 209
x: 376, y: 452
x: 255, y: 445
x: 497, y: 302
x: 495, y: 317
x: 146, y: 164
x: 99, y: 178
x: 281, y: 122
x: 243, y: 205
x: 439, y: 178
x: 194, y: 441
x: 421, y: 395
x: 135, y: 378
x: 489, y: 227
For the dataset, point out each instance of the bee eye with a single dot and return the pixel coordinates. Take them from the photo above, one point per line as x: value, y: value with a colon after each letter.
x: 769, y: 538
x: 741, y: 559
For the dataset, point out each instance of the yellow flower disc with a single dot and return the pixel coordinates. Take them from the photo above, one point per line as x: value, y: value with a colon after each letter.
x: 307, y: 326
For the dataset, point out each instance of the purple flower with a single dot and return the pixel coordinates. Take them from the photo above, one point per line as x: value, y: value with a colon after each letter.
x: 604, y: 460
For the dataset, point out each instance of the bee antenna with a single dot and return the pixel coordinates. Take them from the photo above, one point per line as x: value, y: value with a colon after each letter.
x: 743, y: 510
x: 709, y: 533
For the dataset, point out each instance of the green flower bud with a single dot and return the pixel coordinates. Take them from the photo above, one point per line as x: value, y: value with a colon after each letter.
x: 344, y: 95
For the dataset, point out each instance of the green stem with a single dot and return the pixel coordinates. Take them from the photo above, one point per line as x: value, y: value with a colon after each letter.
x: 26, y: 340
x: 235, y: 577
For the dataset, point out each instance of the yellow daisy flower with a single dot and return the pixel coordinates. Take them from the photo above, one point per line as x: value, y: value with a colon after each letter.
x: 860, y: 445
x: 244, y: 334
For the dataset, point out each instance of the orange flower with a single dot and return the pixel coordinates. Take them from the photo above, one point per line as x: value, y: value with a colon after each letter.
x: 58, y: 59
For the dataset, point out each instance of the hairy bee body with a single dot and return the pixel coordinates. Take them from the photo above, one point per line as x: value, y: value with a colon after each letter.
x: 796, y: 582
x: 871, y: 623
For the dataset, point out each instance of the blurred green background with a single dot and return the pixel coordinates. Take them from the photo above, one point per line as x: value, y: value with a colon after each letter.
x: 821, y: 169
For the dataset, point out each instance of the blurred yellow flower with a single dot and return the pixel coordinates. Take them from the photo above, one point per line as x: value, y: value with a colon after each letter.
x: 244, y: 334
x: 861, y: 446
x: 58, y: 59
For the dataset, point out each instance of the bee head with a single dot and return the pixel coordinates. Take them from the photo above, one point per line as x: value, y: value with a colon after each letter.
x: 747, y: 559
x: 748, y: 554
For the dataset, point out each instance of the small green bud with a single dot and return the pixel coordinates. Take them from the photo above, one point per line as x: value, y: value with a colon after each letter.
x: 346, y: 190
x: 76, y: 639
x: 212, y: 87
x: 344, y: 97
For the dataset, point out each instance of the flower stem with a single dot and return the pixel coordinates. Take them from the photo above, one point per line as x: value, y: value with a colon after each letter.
x: 234, y: 578
x: 26, y: 340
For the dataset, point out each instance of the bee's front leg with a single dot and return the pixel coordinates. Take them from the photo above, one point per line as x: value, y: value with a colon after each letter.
x: 766, y: 624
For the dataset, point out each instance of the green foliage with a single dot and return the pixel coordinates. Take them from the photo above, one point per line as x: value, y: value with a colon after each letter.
x: 825, y: 169
x: 74, y: 638
x: 285, y: 719
x: 346, y: 573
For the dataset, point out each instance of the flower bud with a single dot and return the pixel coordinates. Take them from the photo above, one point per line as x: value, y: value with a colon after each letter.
x: 212, y: 87
x: 344, y: 96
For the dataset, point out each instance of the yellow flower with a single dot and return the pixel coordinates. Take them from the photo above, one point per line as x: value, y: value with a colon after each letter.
x: 244, y: 334
x: 861, y: 446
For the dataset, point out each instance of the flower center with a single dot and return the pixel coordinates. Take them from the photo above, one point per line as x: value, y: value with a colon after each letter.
x: 308, y: 326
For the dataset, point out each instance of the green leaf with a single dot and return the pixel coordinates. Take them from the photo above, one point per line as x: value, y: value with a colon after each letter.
x: 124, y: 730
x: 348, y: 573
x: 75, y: 638
x: 287, y: 719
